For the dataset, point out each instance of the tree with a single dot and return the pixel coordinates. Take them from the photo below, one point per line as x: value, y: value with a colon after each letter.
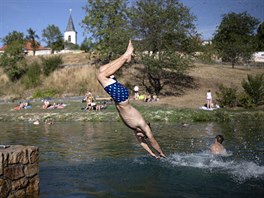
x: 86, y: 45
x: 234, y: 38
x: 53, y: 37
x: 108, y: 21
x: 13, y: 61
x: 164, y: 29
x: 260, y: 37
x: 32, y: 36
x: 13, y: 36
x: 70, y: 46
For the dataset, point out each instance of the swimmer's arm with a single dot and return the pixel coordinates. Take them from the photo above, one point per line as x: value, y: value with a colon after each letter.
x: 144, y: 144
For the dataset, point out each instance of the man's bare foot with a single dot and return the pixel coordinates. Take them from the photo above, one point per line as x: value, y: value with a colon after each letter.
x: 129, y: 52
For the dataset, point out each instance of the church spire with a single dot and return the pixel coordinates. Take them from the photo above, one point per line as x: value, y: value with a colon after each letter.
x: 70, y: 35
x: 70, y: 26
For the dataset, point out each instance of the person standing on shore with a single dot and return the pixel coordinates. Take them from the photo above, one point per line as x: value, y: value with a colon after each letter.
x: 136, y: 94
x: 209, y: 99
x: 130, y: 116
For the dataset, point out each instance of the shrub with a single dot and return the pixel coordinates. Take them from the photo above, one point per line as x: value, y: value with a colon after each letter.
x: 32, y: 77
x: 254, y: 87
x: 222, y: 116
x: 45, y: 93
x: 51, y: 64
x: 226, y: 96
x: 245, y: 100
x: 15, y: 73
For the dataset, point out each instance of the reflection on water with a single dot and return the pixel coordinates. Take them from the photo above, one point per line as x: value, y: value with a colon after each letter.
x: 80, y: 159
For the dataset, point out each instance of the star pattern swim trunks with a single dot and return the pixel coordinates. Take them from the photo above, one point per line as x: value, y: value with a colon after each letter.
x: 118, y: 92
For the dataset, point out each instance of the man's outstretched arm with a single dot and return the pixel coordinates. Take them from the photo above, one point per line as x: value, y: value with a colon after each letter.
x: 144, y: 144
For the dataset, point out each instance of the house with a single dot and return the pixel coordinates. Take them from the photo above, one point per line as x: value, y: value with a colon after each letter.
x: 40, y: 50
x: 2, y: 49
x: 28, y: 50
x: 206, y: 42
x: 258, y: 57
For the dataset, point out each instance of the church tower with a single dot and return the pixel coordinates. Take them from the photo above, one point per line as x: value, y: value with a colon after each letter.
x: 70, y: 35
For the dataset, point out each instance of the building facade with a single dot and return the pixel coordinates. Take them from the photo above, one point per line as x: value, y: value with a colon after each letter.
x: 70, y: 34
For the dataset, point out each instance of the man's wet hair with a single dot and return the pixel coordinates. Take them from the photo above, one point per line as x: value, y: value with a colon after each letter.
x: 219, y: 138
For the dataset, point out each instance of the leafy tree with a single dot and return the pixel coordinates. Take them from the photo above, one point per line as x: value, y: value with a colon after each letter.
x: 32, y: 36
x: 234, y: 38
x: 108, y: 21
x: 86, y: 45
x: 165, y: 29
x: 53, y: 37
x: 208, y: 53
x: 160, y: 70
x: 260, y: 37
x: 164, y: 24
x: 254, y: 87
x: 13, y: 36
x: 13, y: 61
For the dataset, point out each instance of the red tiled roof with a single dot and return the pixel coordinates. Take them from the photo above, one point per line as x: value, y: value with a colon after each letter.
x: 3, y: 48
x: 27, y: 46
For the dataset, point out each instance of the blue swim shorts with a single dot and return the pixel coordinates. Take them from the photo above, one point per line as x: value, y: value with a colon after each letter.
x: 117, y: 91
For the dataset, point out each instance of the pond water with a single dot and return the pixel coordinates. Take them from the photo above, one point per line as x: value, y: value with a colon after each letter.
x: 103, y: 159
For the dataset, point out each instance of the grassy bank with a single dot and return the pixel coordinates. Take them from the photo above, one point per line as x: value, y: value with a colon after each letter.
x: 77, y: 76
x: 152, y: 113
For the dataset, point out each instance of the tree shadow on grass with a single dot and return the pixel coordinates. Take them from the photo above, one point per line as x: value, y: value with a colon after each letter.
x: 169, y: 83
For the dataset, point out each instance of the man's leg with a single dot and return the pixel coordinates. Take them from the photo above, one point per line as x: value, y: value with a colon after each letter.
x: 109, y: 69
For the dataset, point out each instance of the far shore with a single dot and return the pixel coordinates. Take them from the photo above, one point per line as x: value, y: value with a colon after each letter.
x: 153, y: 112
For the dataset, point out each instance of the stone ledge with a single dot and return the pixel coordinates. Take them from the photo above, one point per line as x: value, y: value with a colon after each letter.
x: 19, y: 171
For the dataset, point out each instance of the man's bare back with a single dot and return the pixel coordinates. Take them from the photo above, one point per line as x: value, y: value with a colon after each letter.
x: 217, y: 147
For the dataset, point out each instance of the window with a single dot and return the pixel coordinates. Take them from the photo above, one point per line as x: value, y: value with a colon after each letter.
x: 69, y: 38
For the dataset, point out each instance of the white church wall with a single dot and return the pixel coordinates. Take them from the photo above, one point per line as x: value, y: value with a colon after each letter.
x: 73, y: 37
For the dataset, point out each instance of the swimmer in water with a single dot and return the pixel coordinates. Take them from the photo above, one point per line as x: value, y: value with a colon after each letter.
x: 217, y: 147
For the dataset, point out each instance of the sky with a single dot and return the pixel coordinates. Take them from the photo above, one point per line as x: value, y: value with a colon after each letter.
x: 21, y: 15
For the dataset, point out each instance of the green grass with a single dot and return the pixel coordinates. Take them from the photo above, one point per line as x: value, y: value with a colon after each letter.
x: 152, y: 113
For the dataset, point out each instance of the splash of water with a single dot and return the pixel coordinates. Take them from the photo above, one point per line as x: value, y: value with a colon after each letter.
x: 239, y: 170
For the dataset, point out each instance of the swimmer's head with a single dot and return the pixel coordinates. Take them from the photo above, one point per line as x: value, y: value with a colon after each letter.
x: 219, y: 138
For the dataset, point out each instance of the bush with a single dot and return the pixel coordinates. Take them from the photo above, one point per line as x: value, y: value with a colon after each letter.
x: 227, y: 96
x: 32, y: 77
x: 254, y: 87
x: 15, y: 73
x: 45, y: 93
x: 51, y: 64
x: 245, y: 100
